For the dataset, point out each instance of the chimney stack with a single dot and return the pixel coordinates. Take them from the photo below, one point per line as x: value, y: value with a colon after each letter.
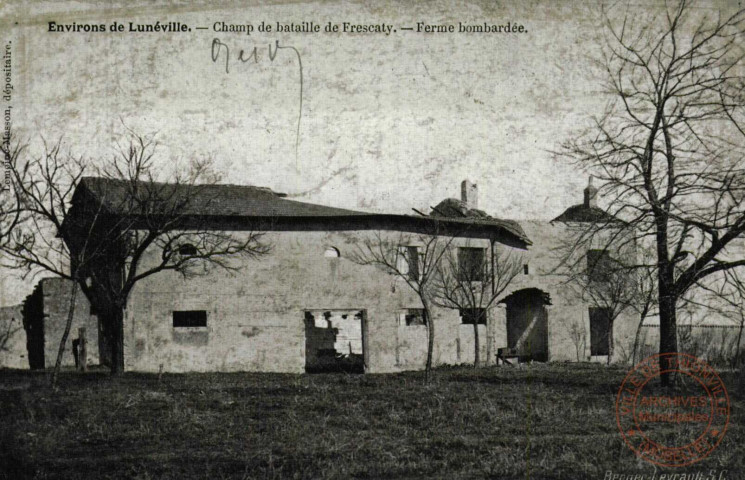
x: 469, y: 194
x: 591, y: 194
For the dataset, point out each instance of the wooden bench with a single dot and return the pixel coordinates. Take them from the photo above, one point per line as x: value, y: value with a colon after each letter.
x: 504, y: 354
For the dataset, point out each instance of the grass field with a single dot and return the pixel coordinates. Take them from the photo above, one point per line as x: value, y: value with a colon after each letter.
x: 538, y: 421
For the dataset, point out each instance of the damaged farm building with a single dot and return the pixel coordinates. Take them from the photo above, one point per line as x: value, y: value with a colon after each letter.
x: 308, y: 307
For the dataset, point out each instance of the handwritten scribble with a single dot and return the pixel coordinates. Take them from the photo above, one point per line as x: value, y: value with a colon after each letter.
x: 244, y: 56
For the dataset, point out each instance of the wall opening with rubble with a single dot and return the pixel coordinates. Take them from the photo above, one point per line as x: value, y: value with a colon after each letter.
x: 334, y: 341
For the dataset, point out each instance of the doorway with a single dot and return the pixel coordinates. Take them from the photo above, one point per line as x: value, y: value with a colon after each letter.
x: 600, y: 331
x: 527, y: 324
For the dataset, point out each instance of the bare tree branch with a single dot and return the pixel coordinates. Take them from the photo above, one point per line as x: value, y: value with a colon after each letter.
x: 669, y: 146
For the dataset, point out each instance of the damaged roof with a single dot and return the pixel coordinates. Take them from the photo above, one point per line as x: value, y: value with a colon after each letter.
x: 240, y: 201
x: 457, y: 210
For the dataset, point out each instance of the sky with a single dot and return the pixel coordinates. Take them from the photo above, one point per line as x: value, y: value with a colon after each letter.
x: 384, y: 123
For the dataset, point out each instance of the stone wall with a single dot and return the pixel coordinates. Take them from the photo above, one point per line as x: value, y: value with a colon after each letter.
x: 56, y: 307
x: 46, y: 311
x: 255, y: 316
x: 13, y: 352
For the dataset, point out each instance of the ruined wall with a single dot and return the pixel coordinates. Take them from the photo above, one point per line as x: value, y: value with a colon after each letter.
x: 56, y: 295
x: 256, y: 316
x: 13, y: 352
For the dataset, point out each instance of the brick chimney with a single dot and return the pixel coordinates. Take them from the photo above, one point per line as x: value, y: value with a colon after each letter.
x: 469, y: 194
x: 591, y: 194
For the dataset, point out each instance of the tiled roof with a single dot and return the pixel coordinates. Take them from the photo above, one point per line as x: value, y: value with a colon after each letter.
x: 258, y: 202
x: 584, y: 213
x: 211, y: 200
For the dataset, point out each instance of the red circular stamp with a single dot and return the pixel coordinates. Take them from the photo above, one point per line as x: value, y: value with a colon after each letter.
x: 677, y: 426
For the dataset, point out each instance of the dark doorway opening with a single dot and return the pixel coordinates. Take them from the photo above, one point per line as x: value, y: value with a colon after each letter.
x: 527, y: 324
x: 33, y: 323
x: 599, y: 331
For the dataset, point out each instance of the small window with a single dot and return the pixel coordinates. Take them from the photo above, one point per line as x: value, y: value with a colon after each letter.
x: 471, y: 316
x: 471, y: 264
x: 189, y: 318
x: 332, y: 252
x: 526, y: 269
x: 413, y: 317
x: 187, y: 250
x: 599, y: 265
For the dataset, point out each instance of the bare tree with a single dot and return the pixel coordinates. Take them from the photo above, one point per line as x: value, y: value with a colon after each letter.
x: 578, y: 336
x: 11, y: 213
x: 736, y: 299
x: 143, y: 214
x: 643, y: 302
x: 612, y: 279
x: 669, y: 145
x: 607, y: 285
x: 726, y: 297
x: 472, y: 283
x: 413, y: 258
x: 42, y: 188
x: 8, y: 331
x: 107, y: 224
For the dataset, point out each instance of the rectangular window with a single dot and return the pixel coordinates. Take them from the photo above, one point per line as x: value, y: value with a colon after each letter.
x: 412, y: 317
x: 526, y: 269
x: 470, y: 316
x: 408, y: 262
x: 471, y: 264
x: 599, y: 265
x: 189, y: 318
x: 599, y: 331
x: 413, y: 257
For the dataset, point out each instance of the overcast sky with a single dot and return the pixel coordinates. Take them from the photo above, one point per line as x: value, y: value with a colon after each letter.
x: 388, y: 122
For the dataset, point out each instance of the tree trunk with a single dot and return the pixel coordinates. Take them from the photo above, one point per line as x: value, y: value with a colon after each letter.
x: 668, y: 330
x: 115, y: 327
x: 476, y: 343
x: 667, y: 297
x: 430, y: 340
x: 636, y: 339
x: 82, y: 350
x: 65, y: 334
